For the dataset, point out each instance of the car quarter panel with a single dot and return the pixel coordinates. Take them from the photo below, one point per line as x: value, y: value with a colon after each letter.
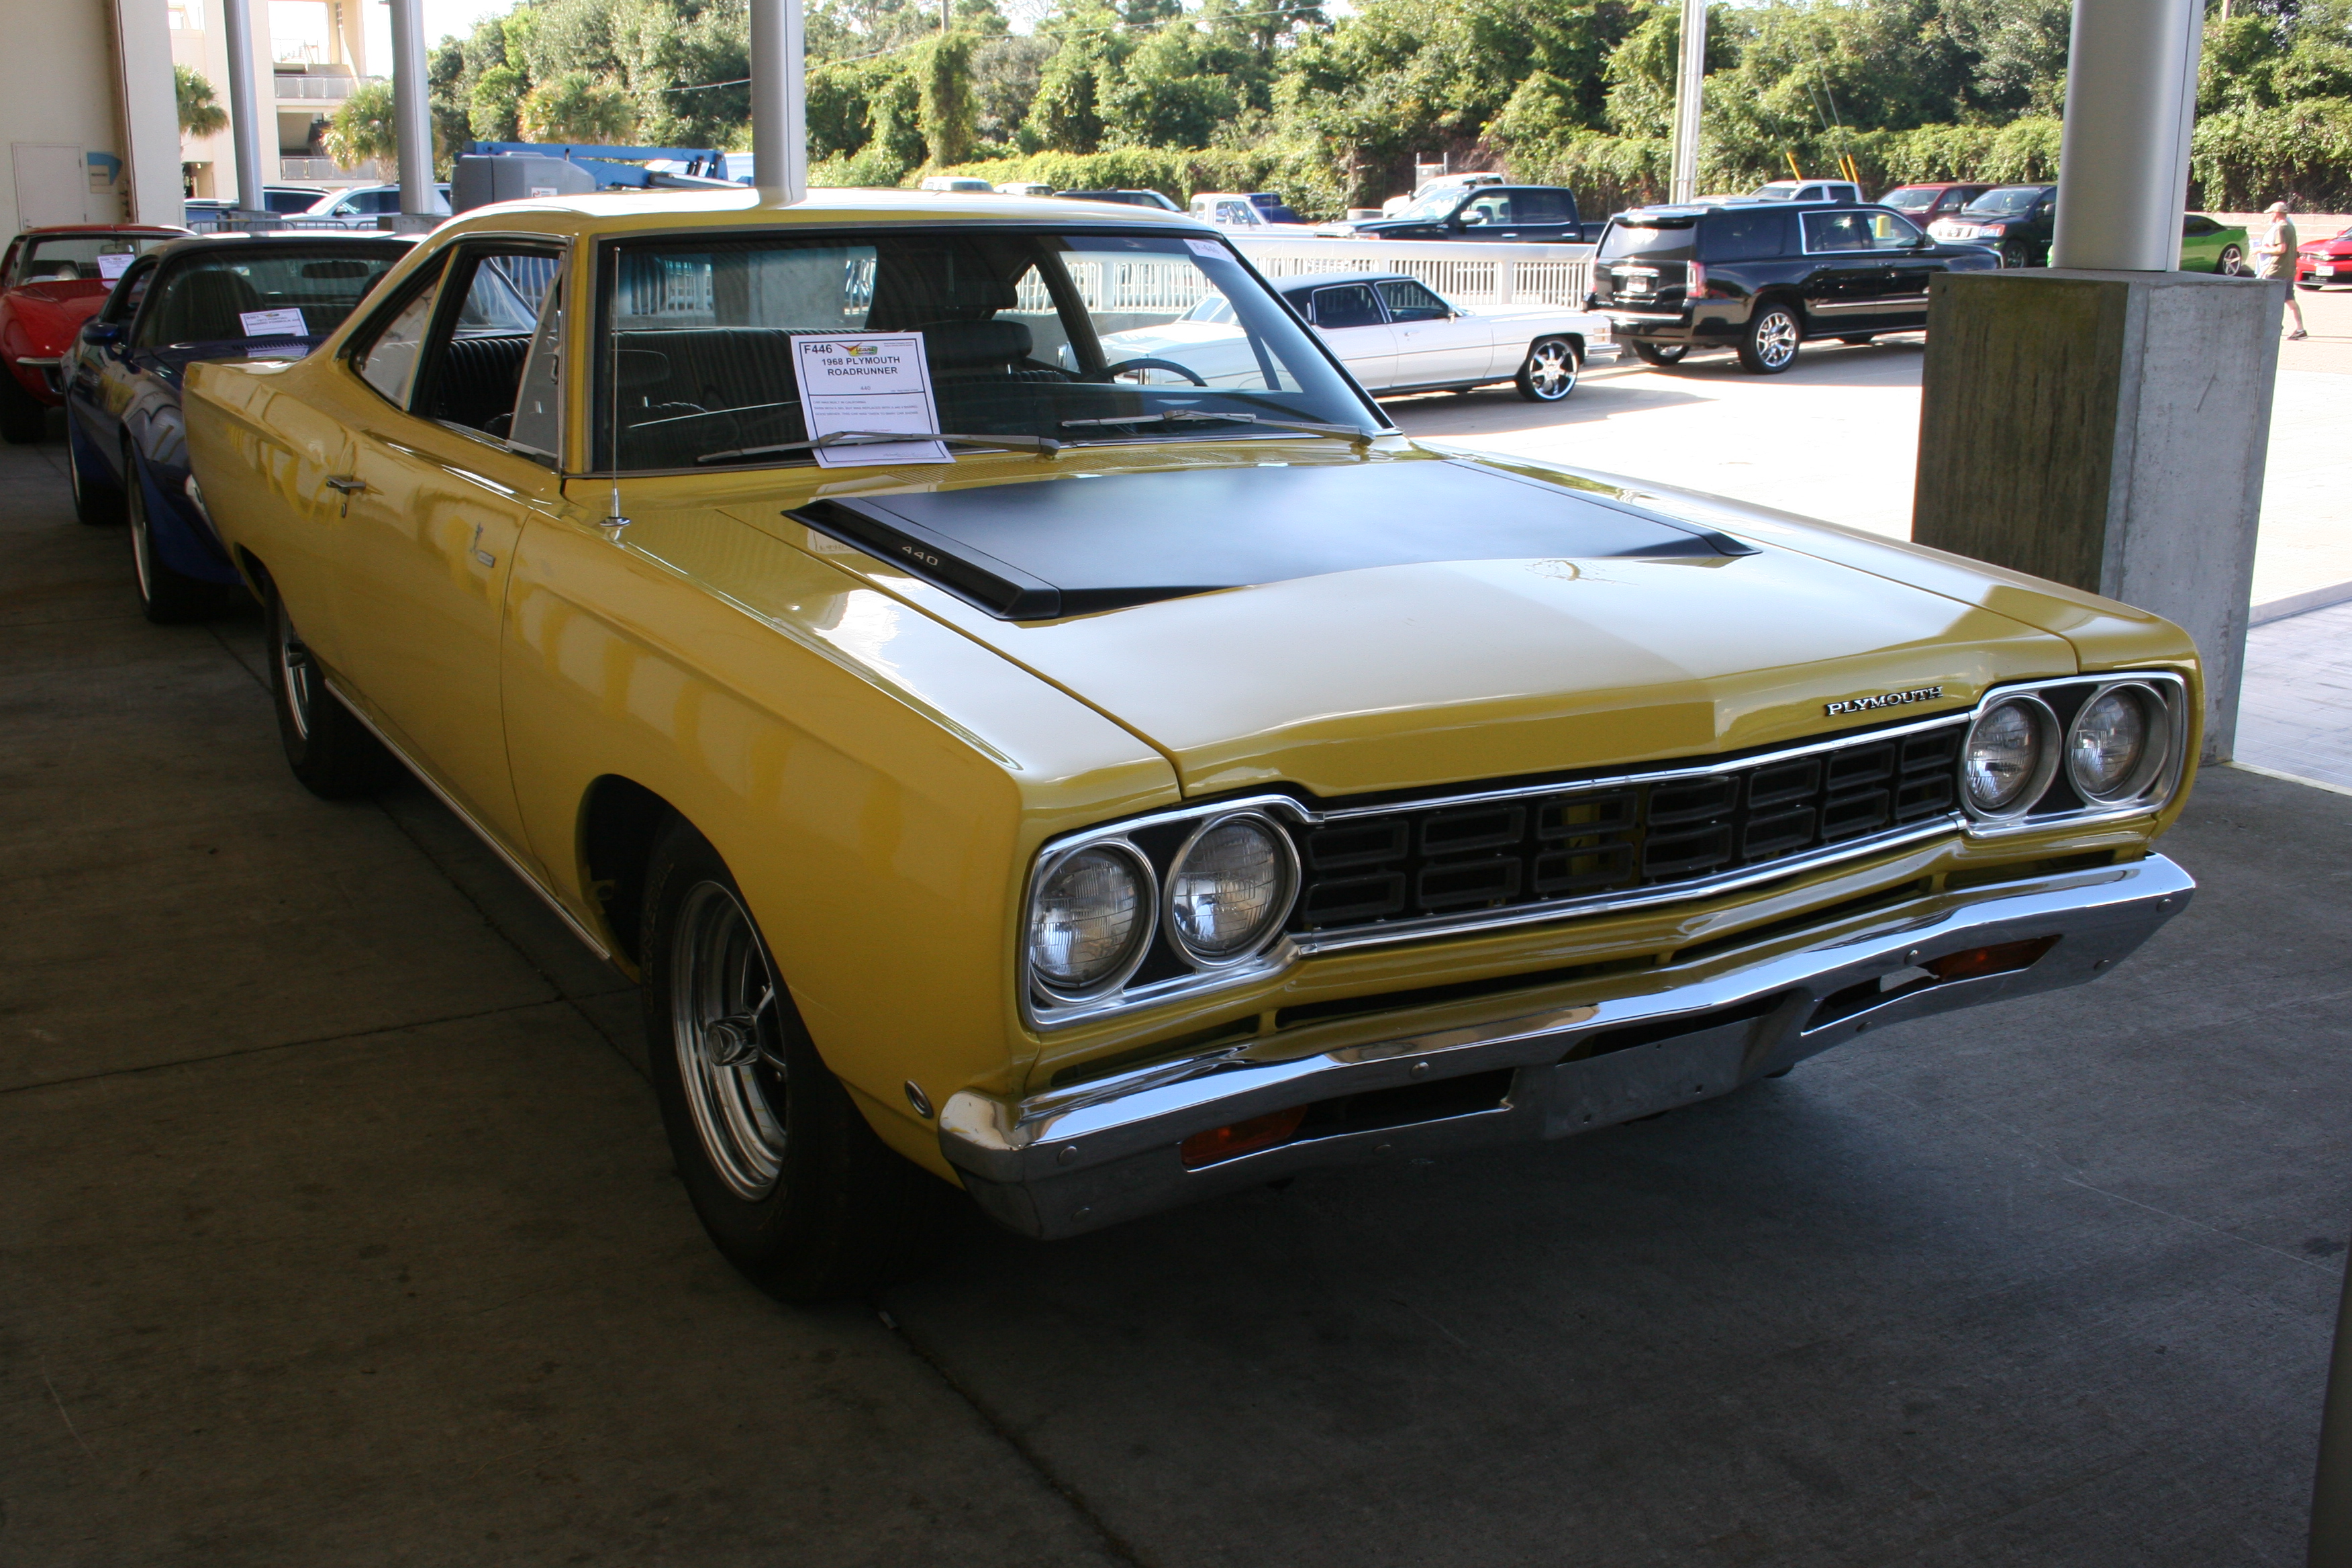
x: 840, y: 751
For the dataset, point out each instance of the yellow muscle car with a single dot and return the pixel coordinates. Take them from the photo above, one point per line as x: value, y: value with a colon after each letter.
x: 1011, y: 767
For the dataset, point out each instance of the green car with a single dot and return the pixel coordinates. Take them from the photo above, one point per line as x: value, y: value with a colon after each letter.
x: 2207, y: 246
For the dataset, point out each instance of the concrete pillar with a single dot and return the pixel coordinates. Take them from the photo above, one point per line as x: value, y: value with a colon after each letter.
x: 1689, y: 86
x: 779, y: 100
x: 412, y: 111
x: 151, y: 112
x: 2131, y: 101
x: 248, y: 116
x: 2107, y: 430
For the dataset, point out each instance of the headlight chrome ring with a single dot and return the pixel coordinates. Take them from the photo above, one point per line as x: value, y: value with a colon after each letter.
x: 2140, y: 775
x: 1067, y: 876
x: 2041, y: 758
x: 1280, y: 866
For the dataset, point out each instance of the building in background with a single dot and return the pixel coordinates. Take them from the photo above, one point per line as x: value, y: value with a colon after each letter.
x: 87, y: 114
x: 309, y: 57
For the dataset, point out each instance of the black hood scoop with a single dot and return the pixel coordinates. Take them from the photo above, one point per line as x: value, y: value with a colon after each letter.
x: 1071, y: 546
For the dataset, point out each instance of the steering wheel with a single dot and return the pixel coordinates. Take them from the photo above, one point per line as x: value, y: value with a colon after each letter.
x: 1110, y: 371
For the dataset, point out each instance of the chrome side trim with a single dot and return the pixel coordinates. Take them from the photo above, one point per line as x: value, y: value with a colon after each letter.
x: 481, y: 831
x: 1063, y: 1162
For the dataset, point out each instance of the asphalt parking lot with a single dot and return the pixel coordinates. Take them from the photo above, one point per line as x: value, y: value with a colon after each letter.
x: 340, y: 1229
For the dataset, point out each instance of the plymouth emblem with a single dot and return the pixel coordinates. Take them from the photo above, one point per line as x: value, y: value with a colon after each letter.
x: 1883, y: 699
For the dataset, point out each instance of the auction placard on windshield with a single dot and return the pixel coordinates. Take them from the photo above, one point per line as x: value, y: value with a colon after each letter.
x: 868, y: 382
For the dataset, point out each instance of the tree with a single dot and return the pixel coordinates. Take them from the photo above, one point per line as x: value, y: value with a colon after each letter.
x: 948, y: 113
x: 362, y: 129
x: 577, y: 108
x: 200, y: 113
x: 1167, y: 94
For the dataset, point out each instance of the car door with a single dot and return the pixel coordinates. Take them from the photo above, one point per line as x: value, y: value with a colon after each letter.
x: 1435, y: 345
x: 1909, y: 261
x: 443, y: 480
x: 1533, y: 216
x: 1349, y: 317
x: 2201, y: 243
x: 103, y: 381
x: 1845, y: 279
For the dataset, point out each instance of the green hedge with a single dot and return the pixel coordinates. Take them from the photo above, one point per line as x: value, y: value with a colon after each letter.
x: 2242, y: 160
x: 1305, y: 177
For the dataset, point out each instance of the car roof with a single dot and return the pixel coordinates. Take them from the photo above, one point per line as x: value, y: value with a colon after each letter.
x: 290, y: 240
x: 667, y: 210
x: 100, y: 228
x: 1326, y: 279
x: 1666, y: 210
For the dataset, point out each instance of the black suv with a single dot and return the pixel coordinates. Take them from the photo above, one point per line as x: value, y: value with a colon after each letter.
x: 1761, y: 279
x: 1536, y: 214
x: 2017, y: 221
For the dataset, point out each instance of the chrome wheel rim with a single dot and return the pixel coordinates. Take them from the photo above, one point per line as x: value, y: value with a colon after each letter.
x: 1775, y: 339
x: 141, y: 543
x: 1551, y: 371
x: 729, y: 1039
x: 297, y: 674
x: 2231, y: 262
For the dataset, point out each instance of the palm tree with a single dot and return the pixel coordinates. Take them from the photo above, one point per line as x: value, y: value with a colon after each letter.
x: 200, y: 111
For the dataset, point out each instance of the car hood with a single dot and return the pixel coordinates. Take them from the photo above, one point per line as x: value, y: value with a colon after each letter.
x: 1341, y: 652
x: 51, y: 314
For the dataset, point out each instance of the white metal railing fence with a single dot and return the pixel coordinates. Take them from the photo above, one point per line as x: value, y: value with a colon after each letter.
x: 303, y: 168
x: 1489, y: 273
x: 291, y: 86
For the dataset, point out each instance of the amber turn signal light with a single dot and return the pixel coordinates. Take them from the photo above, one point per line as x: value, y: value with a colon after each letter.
x: 1241, y: 1138
x: 1979, y: 962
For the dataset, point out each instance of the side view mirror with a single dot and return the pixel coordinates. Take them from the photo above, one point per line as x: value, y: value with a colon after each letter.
x: 102, y: 332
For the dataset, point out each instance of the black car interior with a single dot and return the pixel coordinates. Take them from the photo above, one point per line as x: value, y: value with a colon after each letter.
x: 204, y: 297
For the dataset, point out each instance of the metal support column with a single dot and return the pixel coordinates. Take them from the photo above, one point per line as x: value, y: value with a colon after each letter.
x: 2131, y: 101
x: 246, y: 114
x: 779, y: 100
x: 411, y: 110
x: 1689, y: 84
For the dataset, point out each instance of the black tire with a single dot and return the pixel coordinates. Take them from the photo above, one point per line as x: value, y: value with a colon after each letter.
x: 97, y: 499
x: 794, y: 1187
x: 164, y: 596
x: 2231, y: 262
x: 1660, y: 353
x: 1858, y: 339
x: 1549, y: 372
x: 23, y: 420
x: 2011, y: 255
x: 334, y: 755
x: 1769, y: 346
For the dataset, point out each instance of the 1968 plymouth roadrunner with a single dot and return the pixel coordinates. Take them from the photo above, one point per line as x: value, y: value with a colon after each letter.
x: 1036, y: 773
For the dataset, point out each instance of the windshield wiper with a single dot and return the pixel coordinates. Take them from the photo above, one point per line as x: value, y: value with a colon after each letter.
x: 1198, y: 416
x: 1044, y: 444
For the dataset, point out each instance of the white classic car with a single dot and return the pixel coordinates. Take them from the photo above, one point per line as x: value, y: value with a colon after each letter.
x: 1392, y: 329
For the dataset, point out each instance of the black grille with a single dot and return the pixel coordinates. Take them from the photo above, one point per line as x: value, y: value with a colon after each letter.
x: 1409, y: 864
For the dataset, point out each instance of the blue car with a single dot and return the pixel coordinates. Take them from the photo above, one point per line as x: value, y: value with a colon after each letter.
x: 265, y: 296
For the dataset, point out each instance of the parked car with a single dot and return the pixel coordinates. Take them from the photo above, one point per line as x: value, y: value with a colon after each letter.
x: 1844, y: 192
x: 1273, y: 208
x: 1924, y: 204
x: 51, y: 281
x: 2014, y: 221
x: 279, y: 199
x: 959, y: 183
x: 2323, y: 263
x: 1395, y: 205
x: 262, y: 297
x: 1124, y: 198
x: 1162, y: 790
x: 2208, y: 244
x: 1761, y: 279
x: 1228, y: 209
x: 361, y: 205
x: 1025, y: 188
x: 1394, y: 334
x: 1536, y: 214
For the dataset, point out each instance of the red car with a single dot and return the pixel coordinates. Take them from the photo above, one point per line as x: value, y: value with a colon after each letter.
x: 1923, y: 205
x: 2321, y: 262
x: 51, y: 281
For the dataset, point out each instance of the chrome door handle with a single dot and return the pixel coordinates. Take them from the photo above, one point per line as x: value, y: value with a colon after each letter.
x: 347, y: 486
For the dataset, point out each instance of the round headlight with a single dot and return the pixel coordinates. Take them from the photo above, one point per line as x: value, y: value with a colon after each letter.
x: 1089, y: 919
x: 2011, y: 752
x: 2117, y: 744
x: 1230, y: 889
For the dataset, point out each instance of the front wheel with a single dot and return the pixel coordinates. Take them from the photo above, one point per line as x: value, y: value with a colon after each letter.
x: 333, y: 753
x: 1549, y: 372
x: 1769, y: 346
x: 164, y: 596
x: 2231, y: 263
x: 790, y: 1181
x: 1660, y: 353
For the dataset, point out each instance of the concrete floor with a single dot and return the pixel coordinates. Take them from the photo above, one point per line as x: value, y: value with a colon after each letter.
x: 339, y: 1227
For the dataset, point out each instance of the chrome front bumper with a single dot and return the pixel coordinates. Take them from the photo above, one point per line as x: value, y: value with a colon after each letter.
x: 1075, y: 1160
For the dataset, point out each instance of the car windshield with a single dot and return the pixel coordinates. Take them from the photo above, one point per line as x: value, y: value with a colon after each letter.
x: 1778, y: 191
x: 306, y: 293
x: 1436, y: 204
x: 1910, y: 199
x: 1666, y: 238
x: 1030, y: 332
x: 83, y: 258
x: 2007, y: 201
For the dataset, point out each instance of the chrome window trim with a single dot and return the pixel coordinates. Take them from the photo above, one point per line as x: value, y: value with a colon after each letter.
x: 1041, y: 1012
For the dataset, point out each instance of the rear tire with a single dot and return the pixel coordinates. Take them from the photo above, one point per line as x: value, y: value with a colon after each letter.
x: 164, y: 596
x: 2231, y: 263
x: 334, y: 755
x: 1660, y: 353
x: 1769, y: 346
x: 1549, y: 372
x: 96, y: 497
x: 23, y: 420
x: 792, y: 1185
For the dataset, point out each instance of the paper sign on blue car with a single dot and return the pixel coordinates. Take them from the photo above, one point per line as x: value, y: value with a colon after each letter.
x: 286, y: 323
x: 868, y: 382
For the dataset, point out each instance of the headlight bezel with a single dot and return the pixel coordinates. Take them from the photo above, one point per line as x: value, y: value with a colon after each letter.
x: 1286, y: 859
x: 2051, y: 737
x: 2156, y: 758
x: 1148, y: 909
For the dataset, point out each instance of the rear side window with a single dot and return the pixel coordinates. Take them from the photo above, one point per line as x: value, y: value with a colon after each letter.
x: 1743, y: 235
x: 225, y: 296
x: 1538, y: 206
x: 1661, y: 241
x: 1837, y: 231
x: 1351, y: 305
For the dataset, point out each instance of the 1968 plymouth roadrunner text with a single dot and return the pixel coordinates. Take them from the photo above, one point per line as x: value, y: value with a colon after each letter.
x: 1060, y: 777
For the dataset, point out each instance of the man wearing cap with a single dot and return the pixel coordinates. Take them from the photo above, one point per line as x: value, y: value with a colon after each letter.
x: 2275, y: 257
